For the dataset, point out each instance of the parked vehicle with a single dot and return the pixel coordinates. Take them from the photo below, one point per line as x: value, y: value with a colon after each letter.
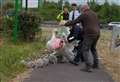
x: 112, y: 24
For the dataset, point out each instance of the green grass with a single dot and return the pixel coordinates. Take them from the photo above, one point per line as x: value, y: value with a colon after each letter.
x: 11, y: 55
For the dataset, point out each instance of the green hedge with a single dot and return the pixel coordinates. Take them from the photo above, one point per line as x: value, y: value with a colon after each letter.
x: 49, y: 11
x: 106, y: 12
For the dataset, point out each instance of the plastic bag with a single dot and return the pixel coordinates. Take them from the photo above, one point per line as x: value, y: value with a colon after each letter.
x: 62, y: 32
x: 54, y: 43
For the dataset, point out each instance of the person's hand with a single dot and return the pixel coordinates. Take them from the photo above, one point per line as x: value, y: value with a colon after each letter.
x: 67, y: 23
x: 62, y: 23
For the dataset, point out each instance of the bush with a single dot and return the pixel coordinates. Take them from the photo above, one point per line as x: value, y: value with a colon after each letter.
x: 106, y: 12
x: 28, y: 25
x: 0, y: 22
x: 7, y: 6
x: 49, y: 11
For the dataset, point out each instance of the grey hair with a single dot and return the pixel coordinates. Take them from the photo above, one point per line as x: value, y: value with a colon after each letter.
x: 85, y: 6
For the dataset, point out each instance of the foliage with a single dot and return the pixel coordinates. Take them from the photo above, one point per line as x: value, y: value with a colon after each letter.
x: 8, y: 23
x: 4, y: 11
x: 7, y: 6
x: 11, y: 55
x: 1, y: 22
x: 67, y: 4
x: 106, y: 12
x: 49, y: 11
x: 28, y: 25
x: 60, y: 4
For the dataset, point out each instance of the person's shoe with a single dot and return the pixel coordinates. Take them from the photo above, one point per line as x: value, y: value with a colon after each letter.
x: 74, y: 63
x: 95, y: 67
x: 82, y: 60
x: 86, y: 70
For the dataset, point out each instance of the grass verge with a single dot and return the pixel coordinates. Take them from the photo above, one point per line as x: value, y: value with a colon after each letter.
x: 111, y: 61
x: 11, y: 55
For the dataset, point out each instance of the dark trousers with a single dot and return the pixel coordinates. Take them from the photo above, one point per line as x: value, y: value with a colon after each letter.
x: 88, y: 44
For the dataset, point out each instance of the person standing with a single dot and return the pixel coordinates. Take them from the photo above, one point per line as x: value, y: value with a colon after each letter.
x: 91, y: 34
x: 74, y: 13
x: 64, y: 15
x: 75, y: 29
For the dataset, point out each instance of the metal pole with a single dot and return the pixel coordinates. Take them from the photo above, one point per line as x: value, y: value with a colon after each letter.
x: 1, y: 6
x: 1, y: 13
x: 63, y: 4
x: 20, y: 4
x: 26, y: 8
x: 1, y: 2
x: 40, y: 3
x: 15, y: 21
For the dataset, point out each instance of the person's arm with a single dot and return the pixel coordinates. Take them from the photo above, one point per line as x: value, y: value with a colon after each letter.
x: 78, y: 20
x: 59, y: 16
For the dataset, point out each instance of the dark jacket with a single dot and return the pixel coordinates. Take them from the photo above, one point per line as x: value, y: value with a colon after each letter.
x: 75, y: 32
x: 65, y: 16
x: 89, y: 22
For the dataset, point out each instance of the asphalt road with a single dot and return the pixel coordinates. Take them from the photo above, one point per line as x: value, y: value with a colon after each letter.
x: 68, y: 73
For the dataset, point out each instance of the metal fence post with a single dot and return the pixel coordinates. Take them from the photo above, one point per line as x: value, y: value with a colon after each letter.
x: 26, y: 6
x: 15, y: 21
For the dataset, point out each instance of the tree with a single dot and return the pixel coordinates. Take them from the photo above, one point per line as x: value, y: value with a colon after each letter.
x: 116, y: 13
x: 67, y: 4
x: 49, y: 11
x: 60, y: 3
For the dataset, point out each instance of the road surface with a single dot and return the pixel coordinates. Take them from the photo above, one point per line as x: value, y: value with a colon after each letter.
x: 68, y: 73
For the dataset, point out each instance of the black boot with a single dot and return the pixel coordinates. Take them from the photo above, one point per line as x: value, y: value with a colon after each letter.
x: 95, y: 67
x: 74, y: 63
x: 87, y: 69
